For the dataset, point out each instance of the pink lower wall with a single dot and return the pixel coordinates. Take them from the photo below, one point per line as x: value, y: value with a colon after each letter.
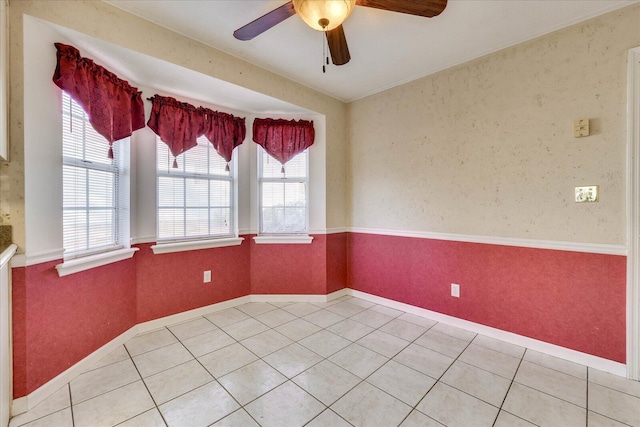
x: 57, y: 321
x: 337, y: 245
x: 171, y: 283
x: 289, y: 269
x: 571, y: 299
x: 575, y: 300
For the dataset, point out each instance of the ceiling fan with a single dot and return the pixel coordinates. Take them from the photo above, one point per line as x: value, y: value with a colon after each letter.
x: 328, y: 16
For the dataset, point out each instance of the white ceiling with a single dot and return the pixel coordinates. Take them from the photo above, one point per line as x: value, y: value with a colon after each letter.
x: 387, y: 48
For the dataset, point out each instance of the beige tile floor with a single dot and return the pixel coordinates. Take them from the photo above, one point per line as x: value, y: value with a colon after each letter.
x: 342, y: 363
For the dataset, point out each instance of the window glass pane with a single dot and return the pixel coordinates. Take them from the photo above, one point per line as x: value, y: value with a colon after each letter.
x: 201, y: 187
x: 101, y: 189
x: 195, y: 159
x: 295, y: 219
x: 220, y: 193
x: 74, y: 224
x: 197, y: 193
x: 220, y: 221
x: 100, y: 228
x: 217, y: 164
x: 272, y: 194
x: 197, y: 222
x: 90, y: 182
x: 170, y: 223
x: 164, y: 158
x: 273, y: 220
x: 283, y: 196
x: 96, y: 147
x: 294, y: 168
x: 170, y: 191
x: 74, y: 182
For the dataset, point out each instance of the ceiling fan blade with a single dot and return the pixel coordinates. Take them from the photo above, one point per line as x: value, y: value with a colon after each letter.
x: 338, y: 46
x: 265, y: 22
x: 426, y: 8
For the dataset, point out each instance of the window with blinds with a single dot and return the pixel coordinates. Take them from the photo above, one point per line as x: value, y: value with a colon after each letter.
x: 195, y: 200
x: 90, y: 185
x: 283, y: 196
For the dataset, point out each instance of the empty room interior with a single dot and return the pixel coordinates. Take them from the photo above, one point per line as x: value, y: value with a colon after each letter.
x: 256, y: 213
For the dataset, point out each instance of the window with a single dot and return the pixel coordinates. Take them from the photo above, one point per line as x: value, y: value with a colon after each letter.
x: 283, y: 196
x: 195, y: 200
x: 93, y: 191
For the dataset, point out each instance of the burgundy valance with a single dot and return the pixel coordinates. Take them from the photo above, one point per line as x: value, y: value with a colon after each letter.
x: 283, y: 139
x: 225, y: 131
x: 179, y: 125
x: 114, y: 107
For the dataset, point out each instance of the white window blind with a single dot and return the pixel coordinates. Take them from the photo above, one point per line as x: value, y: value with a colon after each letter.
x: 283, y: 196
x: 195, y: 200
x: 90, y: 185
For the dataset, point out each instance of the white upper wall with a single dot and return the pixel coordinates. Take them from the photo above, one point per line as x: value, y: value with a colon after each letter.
x: 487, y: 148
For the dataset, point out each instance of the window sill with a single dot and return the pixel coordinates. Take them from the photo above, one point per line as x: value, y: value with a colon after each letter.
x: 283, y: 239
x: 92, y: 261
x: 167, y: 248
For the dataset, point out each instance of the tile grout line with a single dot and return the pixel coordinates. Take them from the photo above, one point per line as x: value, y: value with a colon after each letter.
x: 293, y: 342
x: 391, y: 358
x: 513, y: 379
x: 73, y: 420
x: 586, y: 404
x: 362, y: 380
x: 440, y: 378
x: 327, y: 407
x: 145, y: 386
x: 323, y: 358
x: 213, y: 378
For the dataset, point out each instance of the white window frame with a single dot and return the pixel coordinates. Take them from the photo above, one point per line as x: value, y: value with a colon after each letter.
x: 188, y: 243
x: 77, y: 261
x: 282, y: 238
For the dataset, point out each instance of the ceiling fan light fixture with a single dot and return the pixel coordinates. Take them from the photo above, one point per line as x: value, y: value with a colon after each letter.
x: 324, y: 15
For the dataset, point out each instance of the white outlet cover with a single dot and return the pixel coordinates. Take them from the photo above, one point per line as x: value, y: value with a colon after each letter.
x: 207, y: 276
x: 455, y: 290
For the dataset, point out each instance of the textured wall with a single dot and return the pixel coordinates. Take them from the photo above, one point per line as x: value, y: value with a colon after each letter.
x: 571, y: 299
x: 486, y: 148
x: 171, y: 283
x: 58, y: 321
x: 289, y: 269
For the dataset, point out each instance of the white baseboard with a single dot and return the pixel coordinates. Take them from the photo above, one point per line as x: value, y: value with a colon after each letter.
x: 298, y: 297
x: 337, y: 294
x: 589, y: 360
x: 288, y: 298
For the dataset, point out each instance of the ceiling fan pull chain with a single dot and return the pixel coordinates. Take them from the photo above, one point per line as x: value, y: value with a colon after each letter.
x: 324, y: 52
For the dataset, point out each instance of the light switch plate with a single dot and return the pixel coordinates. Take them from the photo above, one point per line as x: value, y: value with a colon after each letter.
x: 580, y: 128
x: 587, y: 194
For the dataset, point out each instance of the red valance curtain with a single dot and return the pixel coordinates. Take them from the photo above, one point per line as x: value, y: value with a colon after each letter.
x: 225, y: 131
x: 283, y: 139
x: 179, y: 125
x: 114, y: 107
